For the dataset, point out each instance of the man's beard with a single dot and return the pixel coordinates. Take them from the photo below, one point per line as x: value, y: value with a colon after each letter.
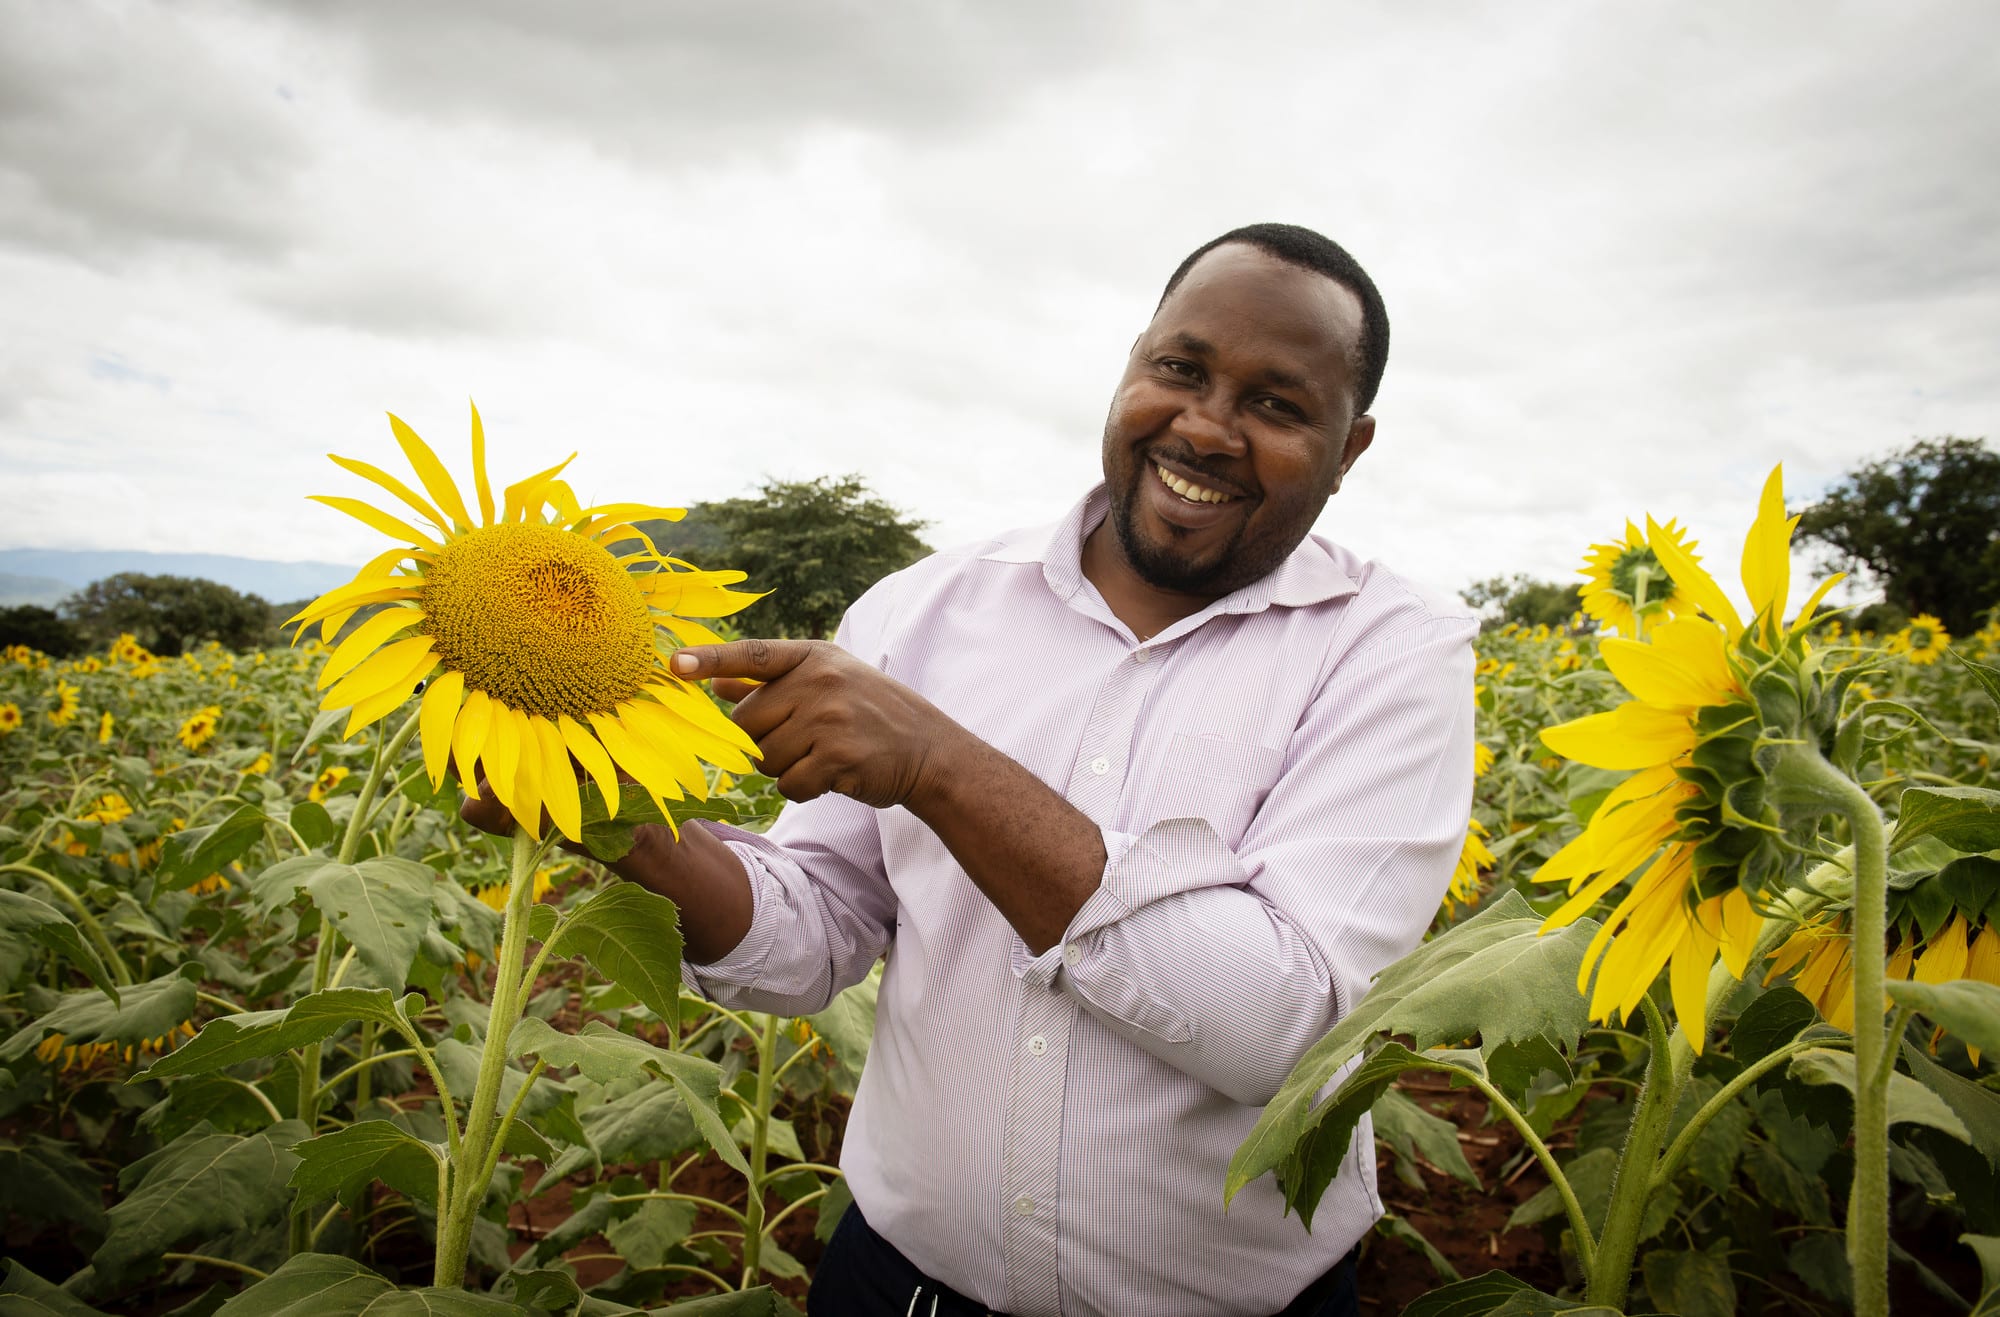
x: 1163, y: 566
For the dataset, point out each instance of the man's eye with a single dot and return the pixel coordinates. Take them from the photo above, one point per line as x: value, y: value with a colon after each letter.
x: 1185, y: 369
x: 1283, y: 407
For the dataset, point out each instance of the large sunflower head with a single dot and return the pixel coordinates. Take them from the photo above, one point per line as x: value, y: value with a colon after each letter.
x: 1627, y: 588
x: 1923, y: 641
x: 1697, y: 826
x: 538, y: 643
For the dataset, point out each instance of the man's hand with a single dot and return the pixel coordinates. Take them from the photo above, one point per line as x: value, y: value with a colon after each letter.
x: 826, y: 721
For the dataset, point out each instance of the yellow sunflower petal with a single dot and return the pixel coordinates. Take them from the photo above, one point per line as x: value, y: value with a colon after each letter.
x: 436, y: 479
x: 690, y: 633
x: 635, y: 512
x: 1657, y: 675
x: 559, y: 781
x: 527, y: 803
x: 468, y: 738
x: 360, y: 590
x: 1633, y: 735
x: 1982, y: 962
x: 1692, y: 580
x: 1945, y: 957
x: 521, y: 494
x: 481, y: 484
x: 375, y: 519
x: 694, y: 705
x: 440, y: 710
x: 1692, y: 960
x: 635, y: 756
x: 675, y: 592
x: 393, y: 696
x: 381, y: 671
x: 410, y: 498
x: 1767, y: 554
x: 594, y: 760
x: 501, y: 754
x: 1811, y: 608
x: 365, y: 640
x: 675, y: 743
x: 1741, y: 925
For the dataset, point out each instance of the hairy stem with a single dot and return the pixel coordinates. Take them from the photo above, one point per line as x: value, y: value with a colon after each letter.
x: 760, y: 1150
x: 1652, y: 1113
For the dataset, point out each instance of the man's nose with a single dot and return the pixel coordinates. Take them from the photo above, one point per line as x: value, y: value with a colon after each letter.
x: 1207, y: 425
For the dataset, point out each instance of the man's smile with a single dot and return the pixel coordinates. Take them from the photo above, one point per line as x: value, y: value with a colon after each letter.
x: 1190, y: 490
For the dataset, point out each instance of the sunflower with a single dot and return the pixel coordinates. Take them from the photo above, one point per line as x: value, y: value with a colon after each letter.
x: 259, y: 766
x: 1626, y: 586
x: 1472, y: 858
x: 1482, y: 759
x: 324, y: 784
x: 1689, y: 826
x: 105, y: 723
x: 496, y: 894
x: 87, y: 1054
x: 65, y: 711
x: 199, y: 727
x: 1923, y: 641
x: 10, y: 718
x: 537, y: 643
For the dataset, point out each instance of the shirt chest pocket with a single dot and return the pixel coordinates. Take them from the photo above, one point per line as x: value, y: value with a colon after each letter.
x: 1213, y: 778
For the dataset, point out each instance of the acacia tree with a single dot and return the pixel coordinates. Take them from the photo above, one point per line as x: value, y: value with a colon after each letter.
x: 169, y: 614
x: 816, y: 545
x: 1924, y: 524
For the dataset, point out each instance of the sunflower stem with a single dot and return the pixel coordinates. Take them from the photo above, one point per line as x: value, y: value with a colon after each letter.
x: 472, y: 1167
x: 1652, y: 1114
x: 1868, y: 1201
x: 760, y: 1150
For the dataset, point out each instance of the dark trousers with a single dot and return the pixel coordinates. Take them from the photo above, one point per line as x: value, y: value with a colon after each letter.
x: 862, y: 1275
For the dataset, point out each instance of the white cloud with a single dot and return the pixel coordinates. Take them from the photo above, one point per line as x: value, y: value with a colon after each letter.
x: 1633, y: 255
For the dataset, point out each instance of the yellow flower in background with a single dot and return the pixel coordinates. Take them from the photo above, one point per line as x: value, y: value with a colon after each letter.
x: 105, y: 723
x: 1482, y: 759
x: 1650, y: 827
x: 88, y: 663
x: 1923, y: 641
x: 538, y: 643
x: 324, y: 784
x: 495, y: 894
x: 260, y: 765
x: 199, y: 727
x: 65, y: 711
x: 1626, y: 586
x: 1473, y: 857
x: 87, y: 1054
x: 10, y: 718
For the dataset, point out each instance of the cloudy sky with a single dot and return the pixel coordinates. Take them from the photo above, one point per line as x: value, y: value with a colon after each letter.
x: 1634, y: 254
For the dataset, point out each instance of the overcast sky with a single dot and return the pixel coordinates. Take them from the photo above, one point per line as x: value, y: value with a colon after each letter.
x: 1633, y: 254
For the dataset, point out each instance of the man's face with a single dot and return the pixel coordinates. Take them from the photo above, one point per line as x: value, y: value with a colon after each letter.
x: 1234, y: 421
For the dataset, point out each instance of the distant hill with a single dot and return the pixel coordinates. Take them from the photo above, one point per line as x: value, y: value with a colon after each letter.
x: 44, y: 576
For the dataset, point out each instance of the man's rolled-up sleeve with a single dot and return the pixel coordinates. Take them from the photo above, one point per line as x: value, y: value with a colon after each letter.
x: 1229, y: 964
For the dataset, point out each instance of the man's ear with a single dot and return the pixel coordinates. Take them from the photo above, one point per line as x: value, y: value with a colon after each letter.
x: 1359, y: 436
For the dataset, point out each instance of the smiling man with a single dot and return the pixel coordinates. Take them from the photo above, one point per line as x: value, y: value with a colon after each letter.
x: 1135, y: 805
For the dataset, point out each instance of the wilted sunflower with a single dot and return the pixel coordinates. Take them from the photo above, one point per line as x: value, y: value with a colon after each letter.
x: 1674, y: 825
x: 1923, y: 641
x: 1626, y: 586
x: 10, y: 718
x: 65, y: 711
x: 537, y: 641
x: 199, y: 727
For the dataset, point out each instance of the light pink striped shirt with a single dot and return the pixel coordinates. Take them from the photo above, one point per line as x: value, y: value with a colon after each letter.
x: 1283, y: 782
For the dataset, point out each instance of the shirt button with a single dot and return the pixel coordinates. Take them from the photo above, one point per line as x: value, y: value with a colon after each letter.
x: 1141, y: 655
x: 1100, y: 765
x: 1037, y: 1045
x: 1024, y: 1205
x: 1072, y: 954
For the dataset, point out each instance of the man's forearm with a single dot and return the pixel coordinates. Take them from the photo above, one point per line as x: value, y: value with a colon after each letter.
x: 701, y: 875
x: 1036, y: 856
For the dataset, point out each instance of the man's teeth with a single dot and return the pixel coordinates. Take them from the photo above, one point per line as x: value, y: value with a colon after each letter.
x: 1190, y: 491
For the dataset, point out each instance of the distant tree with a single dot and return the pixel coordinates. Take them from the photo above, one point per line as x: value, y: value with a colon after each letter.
x: 1524, y: 599
x: 170, y: 614
x: 1924, y: 525
x: 40, y: 628
x: 815, y: 544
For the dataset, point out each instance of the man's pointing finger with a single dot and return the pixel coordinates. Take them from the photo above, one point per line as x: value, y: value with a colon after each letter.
x: 761, y: 660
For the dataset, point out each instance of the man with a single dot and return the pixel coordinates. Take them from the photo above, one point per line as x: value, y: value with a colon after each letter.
x: 1135, y: 805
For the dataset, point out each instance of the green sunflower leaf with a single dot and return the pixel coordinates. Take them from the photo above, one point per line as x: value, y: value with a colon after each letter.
x: 1987, y: 677
x: 1414, y: 1132
x: 1964, y: 818
x: 610, y: 840
x: 188, y: 856
x: 1494, y: 976
x: 144, y: 1011
x: 632, y: 937
x: 326, y: 1285
x: 26, y: 919
x: 1909, y: 1101
x: 1965, y: 1008
x: 230, y: 1039
x: 1987, y: 1249
x: 199, y: 1186
x: 1691, y: 1282
x: 381, y: 905
x: 43, y: 1180
x: 345, y: 1162
x: 643, y: 1238
x: 28, y: 1295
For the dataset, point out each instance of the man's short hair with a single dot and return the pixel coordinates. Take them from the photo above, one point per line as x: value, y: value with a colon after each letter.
x: 1312, y: 251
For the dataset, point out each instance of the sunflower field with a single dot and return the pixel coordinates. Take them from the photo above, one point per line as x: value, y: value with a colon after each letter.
x: 280, y: 1033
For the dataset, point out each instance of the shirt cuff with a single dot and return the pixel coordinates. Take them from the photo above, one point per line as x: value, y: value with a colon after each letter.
x: 1172, y: 856
x: 744, y: 963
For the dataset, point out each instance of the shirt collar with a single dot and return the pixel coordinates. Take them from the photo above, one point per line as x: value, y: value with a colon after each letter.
x: 1308, y: 575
